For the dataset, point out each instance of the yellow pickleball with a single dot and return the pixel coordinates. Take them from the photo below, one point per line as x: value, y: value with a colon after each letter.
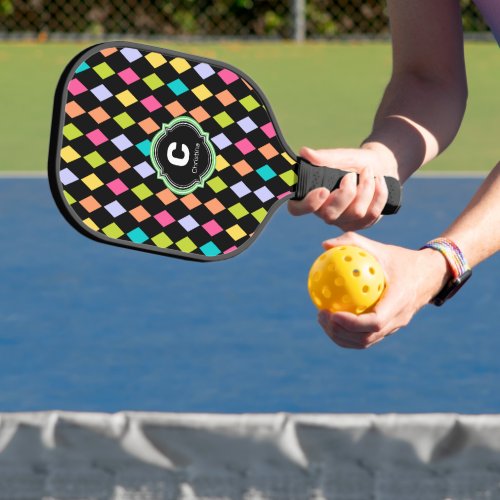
x: 346, y: 278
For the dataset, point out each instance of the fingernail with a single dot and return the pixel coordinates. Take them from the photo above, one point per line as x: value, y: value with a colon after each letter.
x: 323, y: 194
x: 323, y: 317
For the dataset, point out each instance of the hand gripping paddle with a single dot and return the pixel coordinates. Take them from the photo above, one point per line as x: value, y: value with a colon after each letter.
x: 171, y: 153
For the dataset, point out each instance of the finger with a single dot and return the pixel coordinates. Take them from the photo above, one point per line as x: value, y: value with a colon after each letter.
x: 338, y: 157
x: 311, y: 203
x: 365, y: 191
x: 348, y: 238
x: 380, y: 195
x: 338, y: 334
x: 338, y: 201
x: 362, y: 324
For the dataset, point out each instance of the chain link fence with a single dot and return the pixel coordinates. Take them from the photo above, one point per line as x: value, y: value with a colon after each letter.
x: 285, y: 19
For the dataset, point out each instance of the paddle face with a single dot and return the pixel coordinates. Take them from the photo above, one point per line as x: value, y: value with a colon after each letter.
x: 160, y: 151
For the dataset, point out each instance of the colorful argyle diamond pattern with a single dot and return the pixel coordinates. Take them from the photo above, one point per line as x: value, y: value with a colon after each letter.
x: 116, y: 102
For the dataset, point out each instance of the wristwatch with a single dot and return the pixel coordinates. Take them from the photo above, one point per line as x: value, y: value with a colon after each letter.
x: 460, y: 270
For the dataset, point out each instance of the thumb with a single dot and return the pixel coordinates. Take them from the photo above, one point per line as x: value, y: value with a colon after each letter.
x: 349, y: 238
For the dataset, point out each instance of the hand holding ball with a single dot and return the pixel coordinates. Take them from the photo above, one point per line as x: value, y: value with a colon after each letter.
x: 346, y: 278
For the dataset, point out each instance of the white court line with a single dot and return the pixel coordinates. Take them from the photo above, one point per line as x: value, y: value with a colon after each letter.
x: 455, y: 174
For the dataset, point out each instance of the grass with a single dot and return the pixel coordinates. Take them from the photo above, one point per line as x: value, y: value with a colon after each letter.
x: 323, y: 94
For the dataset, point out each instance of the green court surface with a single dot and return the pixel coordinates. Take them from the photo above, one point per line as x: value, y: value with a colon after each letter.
x: 323, y: 94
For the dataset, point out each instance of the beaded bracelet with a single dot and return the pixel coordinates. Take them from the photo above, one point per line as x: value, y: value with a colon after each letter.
x: 460, y: 269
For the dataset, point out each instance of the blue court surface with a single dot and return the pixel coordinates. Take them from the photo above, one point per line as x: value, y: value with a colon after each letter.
x: 92, y: 327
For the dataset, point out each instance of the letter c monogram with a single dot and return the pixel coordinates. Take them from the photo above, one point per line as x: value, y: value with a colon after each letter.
x: 176, y: 160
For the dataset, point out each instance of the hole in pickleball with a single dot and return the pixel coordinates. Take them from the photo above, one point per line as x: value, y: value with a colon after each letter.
x: 327, y: 293
x: 379, y: 288
x: 348, y: 258
x: 372, y: 270
x: 330, y: 268
x: 339, y: 281
x: 317, y: 301
x: 316, y: 276
x: 362, y: 254
x: 359, y: 310
x: 366, y: 289
x: 336, y: 306
x: 346, y: 299
x: 356, y: 273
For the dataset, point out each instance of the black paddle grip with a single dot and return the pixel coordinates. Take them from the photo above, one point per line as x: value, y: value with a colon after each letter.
x: 311, y: 177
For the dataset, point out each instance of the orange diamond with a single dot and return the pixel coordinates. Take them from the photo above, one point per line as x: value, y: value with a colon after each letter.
x: 199, y: 114
x: 140, y: 213
x: 149, y: 125
x: 166, y: 196
x: 268, y: 151
x: 242, y: 167
x: 119, y: 164
x: 175, y: 109
x: 215, y: 206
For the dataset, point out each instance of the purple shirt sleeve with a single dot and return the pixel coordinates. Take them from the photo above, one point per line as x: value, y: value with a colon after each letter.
x: 490, y: 9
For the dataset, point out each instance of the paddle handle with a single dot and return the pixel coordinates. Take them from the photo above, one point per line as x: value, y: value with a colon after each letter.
x: 311, y: 177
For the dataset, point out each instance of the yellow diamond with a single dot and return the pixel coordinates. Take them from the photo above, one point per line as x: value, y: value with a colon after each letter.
x: 221, y: 163
x: 236, y: 232
x: 92, y: 181
x: 155, y: 59
x: 201, y: 92
x: 180, y: 65
x: 288, y: 158
x: 68, y: 154
x: 90, y: 223
x: 126, y: 98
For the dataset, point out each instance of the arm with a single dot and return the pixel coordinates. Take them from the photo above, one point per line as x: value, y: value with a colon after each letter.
x: 419, y: 114
x: 415, y: 277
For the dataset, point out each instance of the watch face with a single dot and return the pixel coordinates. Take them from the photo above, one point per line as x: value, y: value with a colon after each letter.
x: 451, y: 288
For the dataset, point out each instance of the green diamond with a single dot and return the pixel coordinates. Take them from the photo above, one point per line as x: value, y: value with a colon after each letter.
x: 142, y: 191
x: 71, y: 132
x: 153, y: 81
x: 249, y: 103
x: 290, y: 177
x: 94, y: 159
x: 103, y: 70
x: 161, y: 240
x: 238, y: 210
x: 223, y: 119
x: 217, y: 184
x: 260, y: 214
x: 186, y: 245
x: 69, y: 198
x: 113, y: 231
x: 124, y: 120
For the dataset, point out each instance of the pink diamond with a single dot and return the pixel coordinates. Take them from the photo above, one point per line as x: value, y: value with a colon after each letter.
x: 76, y: 87
x: 245, y: 146
x: 117, y: 186
x: 164, y: 218
x: 212, y: 228
x: 151, y: 103
x: 128, y: 76
x: 228, y: 76
x: 97, y: 137
x: 268, y: 129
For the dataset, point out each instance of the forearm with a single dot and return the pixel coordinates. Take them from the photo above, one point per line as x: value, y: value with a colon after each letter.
x: 424, y: 103
x: 416, y: 120
x: 477, y: 230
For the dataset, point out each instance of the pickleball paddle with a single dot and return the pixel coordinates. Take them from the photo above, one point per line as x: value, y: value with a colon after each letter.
x: 171, y: 153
